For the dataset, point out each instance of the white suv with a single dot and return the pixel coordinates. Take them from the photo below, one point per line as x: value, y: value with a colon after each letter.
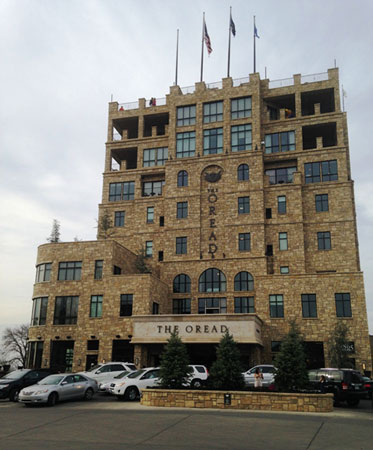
x: 268, y: 372
x: 101, y: 371
x: 198, y: 375
x: 130, y: 387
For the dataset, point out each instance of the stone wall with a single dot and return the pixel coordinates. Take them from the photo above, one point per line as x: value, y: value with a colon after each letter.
x: 265, y: 401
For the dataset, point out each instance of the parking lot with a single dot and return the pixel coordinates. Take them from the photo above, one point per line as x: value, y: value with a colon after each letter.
x: 105, y: 423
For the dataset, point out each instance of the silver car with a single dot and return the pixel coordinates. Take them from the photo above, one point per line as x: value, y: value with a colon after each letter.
x: 62, y: 386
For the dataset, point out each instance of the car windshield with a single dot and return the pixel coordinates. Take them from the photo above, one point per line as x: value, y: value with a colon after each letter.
x: 15, y: 375
x: 123, y: 374
x: 136, y: 374
x: 94, y: 367
x: 52, y: 379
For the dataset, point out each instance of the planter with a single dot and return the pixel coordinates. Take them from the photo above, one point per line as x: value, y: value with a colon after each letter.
x: 268, y: 401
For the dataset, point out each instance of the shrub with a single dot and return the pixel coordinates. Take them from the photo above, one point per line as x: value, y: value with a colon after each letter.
x: 291, y: 363
x: 226, y: 372
x: 174, y: 369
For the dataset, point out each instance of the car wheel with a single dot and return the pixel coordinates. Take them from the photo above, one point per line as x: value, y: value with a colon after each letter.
x: 196, y: 383
x: 131, y: 393
x: 52, y: 399
x: 353, y: 402
x: 13, y: 396
x: 88, y: 395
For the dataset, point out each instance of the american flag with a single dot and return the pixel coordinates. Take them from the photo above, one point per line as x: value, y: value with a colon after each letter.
x: 232, y: 27
x: 207, y: 40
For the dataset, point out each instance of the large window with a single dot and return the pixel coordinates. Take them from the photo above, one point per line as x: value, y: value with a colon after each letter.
x: 243, y: 281
x: 321, y: 202
x: 181, y: 283
x: 244, y: 244
x: 244, y: 305
x: 213, y: 141
x: 343, y: 305
x: 34, y: 354
x: 39, y: 311
x: 66, y: 310
x: 212, y: 112
x: 324, y: 241
x: 126, y: 301
x: 240, y: 107
x: 121, y: 191
x: 43, y: 272
x: 280, y: 142
x: 212, y: 280
x: 182, y: 210
x: 71, y: 270
x: 321, y: 171
x: 282, y: 241
x: 241, y: 137
x: 182, y: 178
x: 96, y: 306
x: 186, y: 115
x: 281, y: 204
x: 151, y: 188
x: 155, y: 156
x: 276, y: 305
x: 281, y: 175
x: 149, y: 249
x: 243, y: 172
x: 212, y: 305
x: 119, y: 218
x: 309, y: 305
x: 181, y: 245
x: 181, y: 306
x: 99, y: 265
x: 185, y: 144
x: 243, y: 205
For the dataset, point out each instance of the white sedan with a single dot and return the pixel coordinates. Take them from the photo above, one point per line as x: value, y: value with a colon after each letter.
x: 63, y: 386
x: 268, y: 372
x: 130, y: 387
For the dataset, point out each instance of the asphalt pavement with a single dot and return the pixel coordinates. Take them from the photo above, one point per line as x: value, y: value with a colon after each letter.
x: 106, y: 424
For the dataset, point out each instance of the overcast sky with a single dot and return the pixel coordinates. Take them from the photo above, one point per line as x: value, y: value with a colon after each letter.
x: 61, y: 60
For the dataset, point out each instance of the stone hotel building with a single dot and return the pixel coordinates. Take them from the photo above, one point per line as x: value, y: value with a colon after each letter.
x: 225, y: 206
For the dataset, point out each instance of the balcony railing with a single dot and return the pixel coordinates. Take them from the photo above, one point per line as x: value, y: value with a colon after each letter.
x: 281, y: 83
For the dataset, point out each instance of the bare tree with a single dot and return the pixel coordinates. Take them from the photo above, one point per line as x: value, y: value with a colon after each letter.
x: 55, y: 233
x: 14, y: 343
x: 104, y: 225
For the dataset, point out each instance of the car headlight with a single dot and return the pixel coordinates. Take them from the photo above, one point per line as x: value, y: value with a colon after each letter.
x: 41, y: 391
x: 120, y: 384
x: 2, y: 386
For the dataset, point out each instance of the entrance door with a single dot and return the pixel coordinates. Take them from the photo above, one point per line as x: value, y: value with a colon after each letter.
x: 314, y: 355
x: 91, y: 361
x: 62, y: 353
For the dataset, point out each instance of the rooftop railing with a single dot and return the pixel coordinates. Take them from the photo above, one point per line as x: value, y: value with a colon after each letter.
x: 315, y: 77
x: 236, y: 82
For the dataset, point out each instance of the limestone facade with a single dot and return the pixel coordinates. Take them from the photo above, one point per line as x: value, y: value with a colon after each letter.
x: 268, y: 193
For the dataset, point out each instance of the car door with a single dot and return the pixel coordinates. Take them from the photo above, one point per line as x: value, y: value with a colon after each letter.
x: 102, y: 373
x: 66, y: 389
x: 268, y: 375
x: 116, y: 369
x: 80, y: 386
x: 149, y: 379
x: 249, y: 377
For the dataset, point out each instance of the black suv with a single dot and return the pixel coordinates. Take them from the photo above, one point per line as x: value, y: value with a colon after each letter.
x: 13, y: 382
x: 346, y: 384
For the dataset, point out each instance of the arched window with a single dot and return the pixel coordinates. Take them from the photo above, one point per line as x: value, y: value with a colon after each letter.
x: 243, y: 281
x: 182, y: 178
x: 182, y: 283
x: 243, y: 172
x: 212, y: 280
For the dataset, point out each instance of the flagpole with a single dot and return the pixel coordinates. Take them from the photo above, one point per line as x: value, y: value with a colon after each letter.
x: 203, y: 29
x: 254, y: 48
x: 177, y: 55
x: 229, y: 41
